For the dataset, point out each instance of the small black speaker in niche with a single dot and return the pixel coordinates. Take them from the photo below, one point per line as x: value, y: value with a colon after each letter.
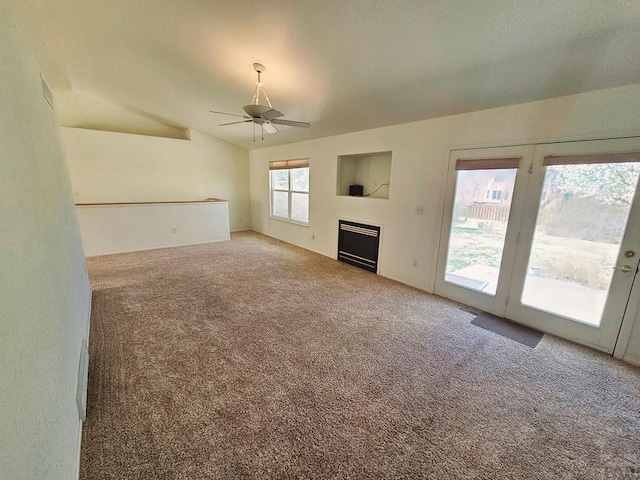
x: 356, y: 190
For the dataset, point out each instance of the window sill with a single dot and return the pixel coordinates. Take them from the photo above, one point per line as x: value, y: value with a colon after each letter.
x: 288, y: 220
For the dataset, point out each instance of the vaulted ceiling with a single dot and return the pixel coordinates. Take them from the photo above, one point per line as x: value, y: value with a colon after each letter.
x: 342, y: 65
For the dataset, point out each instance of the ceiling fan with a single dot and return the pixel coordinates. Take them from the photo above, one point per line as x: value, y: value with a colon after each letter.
x: 264, y: 115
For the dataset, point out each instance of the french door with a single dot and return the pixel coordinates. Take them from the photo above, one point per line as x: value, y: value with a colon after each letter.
x: 546, y: 235
x: 485, y: 202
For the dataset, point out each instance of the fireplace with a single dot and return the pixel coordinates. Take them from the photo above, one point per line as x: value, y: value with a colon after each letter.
x: 358, y: 244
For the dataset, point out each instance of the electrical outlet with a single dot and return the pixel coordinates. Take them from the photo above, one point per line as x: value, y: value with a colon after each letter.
x: 313, y: 236
x: 173, y: 230
x: 419, y: 210
x: 415, y: 264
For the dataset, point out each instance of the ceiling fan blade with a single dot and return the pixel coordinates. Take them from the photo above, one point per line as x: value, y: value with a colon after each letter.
x: 232, y: 114
x: 291, y: 123
x: 272, y: 114
x: 269, y: 128
x: 233, y: 123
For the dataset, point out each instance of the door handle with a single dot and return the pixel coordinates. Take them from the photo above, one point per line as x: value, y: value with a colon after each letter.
x: 623, y: 268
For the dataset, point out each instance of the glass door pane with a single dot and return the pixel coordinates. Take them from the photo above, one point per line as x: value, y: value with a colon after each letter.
x: 484, y: 199
x: 477, y: 236
x: 582, y: 217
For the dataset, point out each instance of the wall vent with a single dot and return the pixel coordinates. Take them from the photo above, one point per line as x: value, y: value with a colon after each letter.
x: 83, y: 379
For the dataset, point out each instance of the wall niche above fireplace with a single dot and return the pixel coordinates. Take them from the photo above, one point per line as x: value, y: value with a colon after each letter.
x: 372, y: 171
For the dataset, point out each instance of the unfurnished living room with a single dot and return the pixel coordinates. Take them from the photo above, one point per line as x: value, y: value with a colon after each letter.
x: 363, y: 239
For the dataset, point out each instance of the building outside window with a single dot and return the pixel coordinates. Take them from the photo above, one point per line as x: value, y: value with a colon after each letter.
x: 289, y: 190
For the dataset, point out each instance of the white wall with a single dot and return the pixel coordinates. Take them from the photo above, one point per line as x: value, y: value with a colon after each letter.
x: 44, y: 289
x: 120, y: 167
x: 107, y: 229
x: 420, y: 154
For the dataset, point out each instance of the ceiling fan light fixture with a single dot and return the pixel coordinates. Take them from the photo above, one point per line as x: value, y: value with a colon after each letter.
x: 269, y: 127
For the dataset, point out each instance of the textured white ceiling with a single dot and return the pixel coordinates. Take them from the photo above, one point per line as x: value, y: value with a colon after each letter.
x: 342, y: 65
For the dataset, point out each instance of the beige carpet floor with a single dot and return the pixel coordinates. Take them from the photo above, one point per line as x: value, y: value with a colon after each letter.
x: 256, y: 359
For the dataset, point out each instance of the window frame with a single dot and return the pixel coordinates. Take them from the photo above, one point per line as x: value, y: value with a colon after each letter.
x: 288, y: 165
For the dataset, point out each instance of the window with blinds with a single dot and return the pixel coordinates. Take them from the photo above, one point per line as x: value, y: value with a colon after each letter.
x: 289, y: 190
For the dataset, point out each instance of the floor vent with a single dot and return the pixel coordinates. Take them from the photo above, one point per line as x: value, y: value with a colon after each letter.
x: 83, y: 378
x: 466, y: 308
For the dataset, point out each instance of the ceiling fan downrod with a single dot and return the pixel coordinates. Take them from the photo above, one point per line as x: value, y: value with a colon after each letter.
x: 258, y: 67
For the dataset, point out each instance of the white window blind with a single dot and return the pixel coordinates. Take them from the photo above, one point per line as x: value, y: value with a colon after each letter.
x: 487, y: 163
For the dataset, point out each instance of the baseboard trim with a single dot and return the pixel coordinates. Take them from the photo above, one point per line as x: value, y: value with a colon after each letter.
x: 159, y: 248
x: 79, y: 451
x: 630, y: 361
x: 413, y: 285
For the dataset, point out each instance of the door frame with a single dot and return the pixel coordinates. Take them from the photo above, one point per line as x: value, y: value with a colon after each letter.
x: 602, y: 337
x: 631, y: 315
x: 495, y: 304
x: 632, y: 312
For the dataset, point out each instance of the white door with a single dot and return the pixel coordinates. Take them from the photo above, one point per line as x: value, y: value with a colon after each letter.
x: 485, y: 198
x: 548, y: 236
x: 579, y: 242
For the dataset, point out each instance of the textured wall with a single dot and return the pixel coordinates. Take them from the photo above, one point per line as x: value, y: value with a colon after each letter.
x: 44, y: 289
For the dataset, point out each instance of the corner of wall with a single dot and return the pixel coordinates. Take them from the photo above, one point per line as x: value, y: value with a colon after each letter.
x: 44, y: 317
